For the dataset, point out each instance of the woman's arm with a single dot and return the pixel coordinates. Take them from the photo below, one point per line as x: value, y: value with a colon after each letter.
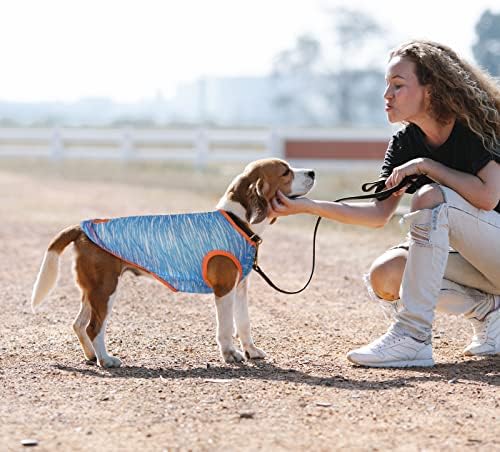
x: 481, y: 190
x: 372, y: 214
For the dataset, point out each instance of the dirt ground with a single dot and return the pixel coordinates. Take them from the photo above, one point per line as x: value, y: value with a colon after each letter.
x: 173, y: 391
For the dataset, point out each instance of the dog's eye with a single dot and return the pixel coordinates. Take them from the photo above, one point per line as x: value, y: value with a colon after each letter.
x: 287, y: 172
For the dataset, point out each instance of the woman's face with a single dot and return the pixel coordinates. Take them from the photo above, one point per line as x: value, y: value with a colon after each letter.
x: 405, y: 98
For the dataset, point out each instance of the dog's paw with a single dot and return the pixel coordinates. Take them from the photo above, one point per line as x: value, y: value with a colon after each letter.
x: 252, y: 352
x: 232, y: 356
x: 110, y: 361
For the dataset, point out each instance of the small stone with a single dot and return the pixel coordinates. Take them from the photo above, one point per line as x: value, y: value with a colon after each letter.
x: 247, y: 415
x: 323, y: 404
x: 29, y: 442
x: 218, y: 380
x: 453, y: 380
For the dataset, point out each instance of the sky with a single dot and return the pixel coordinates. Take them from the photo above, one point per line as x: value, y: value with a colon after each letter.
x: 127, y: 50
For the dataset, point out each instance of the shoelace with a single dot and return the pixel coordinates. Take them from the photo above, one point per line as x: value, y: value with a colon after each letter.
x: 482, y: 335
x: 480, y: 329
x: 389, y: 338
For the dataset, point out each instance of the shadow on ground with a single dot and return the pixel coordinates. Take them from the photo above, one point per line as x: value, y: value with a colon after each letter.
x: 484, y: 371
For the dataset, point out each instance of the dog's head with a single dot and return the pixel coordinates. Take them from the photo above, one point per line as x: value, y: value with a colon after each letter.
x: 260, y: 181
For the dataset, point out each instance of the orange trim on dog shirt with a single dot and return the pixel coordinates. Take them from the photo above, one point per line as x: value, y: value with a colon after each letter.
x: 208, y: 256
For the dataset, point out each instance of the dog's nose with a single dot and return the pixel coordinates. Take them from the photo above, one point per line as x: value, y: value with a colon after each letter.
x: 311, y: 174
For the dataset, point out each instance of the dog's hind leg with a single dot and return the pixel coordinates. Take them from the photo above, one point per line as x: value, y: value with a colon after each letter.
x: 101, y: 302
x: 80, y: 326
x: 242, y: 321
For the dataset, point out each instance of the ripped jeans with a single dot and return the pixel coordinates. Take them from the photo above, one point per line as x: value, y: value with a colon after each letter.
x: 475, y: 235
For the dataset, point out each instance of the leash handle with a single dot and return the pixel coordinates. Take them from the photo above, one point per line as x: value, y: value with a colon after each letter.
x: 380, y: 195
x: 367, y: 187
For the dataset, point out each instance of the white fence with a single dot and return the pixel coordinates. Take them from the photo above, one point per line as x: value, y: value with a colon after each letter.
x: 198, y: 146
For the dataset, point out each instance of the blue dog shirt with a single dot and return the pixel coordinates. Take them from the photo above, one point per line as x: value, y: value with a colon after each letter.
x: 174, y: 248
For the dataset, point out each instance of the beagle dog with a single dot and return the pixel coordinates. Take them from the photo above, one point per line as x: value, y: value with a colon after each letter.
x: 243, y: 211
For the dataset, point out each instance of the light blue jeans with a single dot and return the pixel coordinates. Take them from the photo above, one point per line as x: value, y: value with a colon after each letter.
x: 469, y: 284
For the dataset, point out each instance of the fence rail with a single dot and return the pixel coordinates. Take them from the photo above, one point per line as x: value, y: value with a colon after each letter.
x: 198, y: 146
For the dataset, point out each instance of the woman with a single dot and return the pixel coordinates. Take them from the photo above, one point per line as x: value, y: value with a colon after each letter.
x: 451, y: 141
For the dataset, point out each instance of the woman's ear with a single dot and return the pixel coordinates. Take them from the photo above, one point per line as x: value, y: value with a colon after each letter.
x: 258, y: 206
x: 427, y: 96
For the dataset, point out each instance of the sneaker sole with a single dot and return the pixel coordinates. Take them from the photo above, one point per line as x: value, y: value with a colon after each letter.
x: 413, y: 363
x: 493, y: 353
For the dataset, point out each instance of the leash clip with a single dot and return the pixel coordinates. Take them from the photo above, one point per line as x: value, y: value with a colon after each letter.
x: 256, y: 239
x: 255, y: 265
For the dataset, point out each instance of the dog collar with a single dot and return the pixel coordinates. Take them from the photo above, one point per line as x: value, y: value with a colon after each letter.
x: 243, y: 225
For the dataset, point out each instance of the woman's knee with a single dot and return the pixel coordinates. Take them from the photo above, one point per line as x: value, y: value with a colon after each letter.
x: 427, y: 197
x: 386, y: 274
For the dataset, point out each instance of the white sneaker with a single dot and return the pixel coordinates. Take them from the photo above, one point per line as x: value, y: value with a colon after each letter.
x: 486, y: 339
x: 393, y: 349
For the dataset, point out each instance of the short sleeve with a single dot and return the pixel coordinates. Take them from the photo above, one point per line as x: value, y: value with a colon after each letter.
x: 402, y: 148
x: 479, y: 164
x: 481, y: 157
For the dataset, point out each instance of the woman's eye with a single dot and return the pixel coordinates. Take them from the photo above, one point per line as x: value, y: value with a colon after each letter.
x: 397, y: 86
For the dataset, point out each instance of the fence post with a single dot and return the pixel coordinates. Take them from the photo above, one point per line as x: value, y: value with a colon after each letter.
x: 127, y: 145
x: 275, y: 145
x: 57, y: 146
x: 202, y: 149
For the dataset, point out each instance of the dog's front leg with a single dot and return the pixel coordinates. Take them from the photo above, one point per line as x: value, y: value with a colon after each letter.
x: 224, y: 306
x: 242, y: 321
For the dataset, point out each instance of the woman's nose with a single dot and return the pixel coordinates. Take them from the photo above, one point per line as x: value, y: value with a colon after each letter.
x: 387, y: 93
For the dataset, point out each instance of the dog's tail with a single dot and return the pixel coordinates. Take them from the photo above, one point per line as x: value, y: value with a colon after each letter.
x: 47, y: 276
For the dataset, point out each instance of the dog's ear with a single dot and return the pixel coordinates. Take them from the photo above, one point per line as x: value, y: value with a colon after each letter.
x: 258, y: 206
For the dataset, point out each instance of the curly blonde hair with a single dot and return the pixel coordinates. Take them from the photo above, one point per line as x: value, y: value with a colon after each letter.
x: 457, y: 89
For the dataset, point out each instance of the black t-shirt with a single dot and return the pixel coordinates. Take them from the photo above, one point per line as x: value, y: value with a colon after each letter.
x: 462, y: 151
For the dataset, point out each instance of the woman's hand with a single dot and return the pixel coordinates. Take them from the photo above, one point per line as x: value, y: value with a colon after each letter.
x: 281, y: 206
x: 414, y: 167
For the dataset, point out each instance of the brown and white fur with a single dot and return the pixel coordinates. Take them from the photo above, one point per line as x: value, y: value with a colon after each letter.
x: 98, y: 272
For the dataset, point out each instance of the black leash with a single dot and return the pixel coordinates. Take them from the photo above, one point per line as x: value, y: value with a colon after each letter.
x: 379, y: 194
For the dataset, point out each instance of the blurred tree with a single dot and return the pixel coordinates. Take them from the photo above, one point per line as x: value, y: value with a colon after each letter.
x: 301, y: 58
x: 487, y: 48
x: 320, y: 88
x: 354, y: 29
x: 294, y: 71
